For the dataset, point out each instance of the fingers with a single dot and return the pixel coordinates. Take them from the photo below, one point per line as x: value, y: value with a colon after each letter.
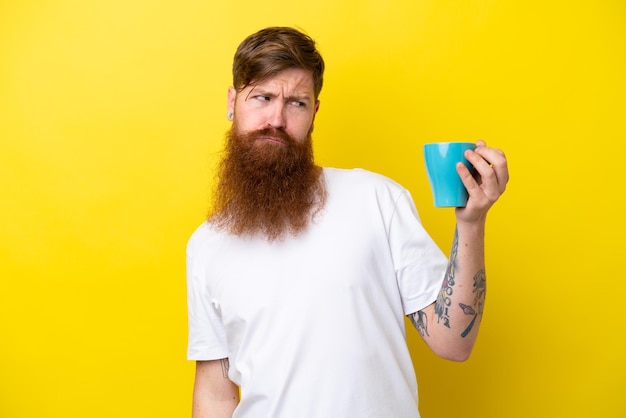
x: 485, y: 184
x: 491, y: 164
x: 490, y: 177
x: 468, y: 179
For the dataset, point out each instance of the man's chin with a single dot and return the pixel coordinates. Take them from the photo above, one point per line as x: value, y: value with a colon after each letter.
x: 267, y: 152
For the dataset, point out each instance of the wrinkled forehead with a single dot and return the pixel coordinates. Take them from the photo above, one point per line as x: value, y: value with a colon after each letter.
x: 290, y: 81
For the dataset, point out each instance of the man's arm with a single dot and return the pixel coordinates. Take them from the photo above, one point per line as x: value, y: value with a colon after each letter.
x: 214, y: 394
x: 450, y: 324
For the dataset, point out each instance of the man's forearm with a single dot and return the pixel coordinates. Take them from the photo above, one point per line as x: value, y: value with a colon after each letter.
x: 462, y: 297
x: 450, y: 325
x: 214, y: 395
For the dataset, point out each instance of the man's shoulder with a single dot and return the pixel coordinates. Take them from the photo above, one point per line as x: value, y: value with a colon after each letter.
x: 359, y: 177
x: 200, y: 236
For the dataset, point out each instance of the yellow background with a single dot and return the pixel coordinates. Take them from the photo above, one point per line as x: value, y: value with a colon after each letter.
x: 112, y: 113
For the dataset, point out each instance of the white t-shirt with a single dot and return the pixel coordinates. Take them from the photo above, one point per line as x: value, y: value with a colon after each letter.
x: 314, y: 325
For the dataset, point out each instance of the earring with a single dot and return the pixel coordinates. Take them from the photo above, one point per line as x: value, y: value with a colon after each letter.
x: 229, y: 115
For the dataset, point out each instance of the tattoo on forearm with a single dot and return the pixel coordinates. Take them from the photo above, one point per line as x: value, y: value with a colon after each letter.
x: 443, y: 302
x: 225, y: 367
x: 467, y: 310
x: 480, y: 290
x: 420, y: 322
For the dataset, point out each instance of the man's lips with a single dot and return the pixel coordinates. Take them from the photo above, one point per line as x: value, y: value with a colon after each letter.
x: 272, y: 139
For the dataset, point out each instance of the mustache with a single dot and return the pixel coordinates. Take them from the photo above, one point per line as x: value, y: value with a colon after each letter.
x: 271, y: 132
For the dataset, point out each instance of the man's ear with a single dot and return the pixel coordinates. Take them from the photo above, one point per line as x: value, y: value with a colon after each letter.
x: 230, y: 105
x: 317, y: 107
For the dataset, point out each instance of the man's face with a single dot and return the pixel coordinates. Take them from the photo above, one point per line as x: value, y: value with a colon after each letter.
x: 285, y: 101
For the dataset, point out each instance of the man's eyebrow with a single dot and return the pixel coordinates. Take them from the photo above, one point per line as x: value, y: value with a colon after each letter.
x: 260, y: 91
x: 252, y: 90
x: 304, y: 97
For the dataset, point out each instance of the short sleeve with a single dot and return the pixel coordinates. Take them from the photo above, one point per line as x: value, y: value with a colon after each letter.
x: 206, y: 338
x: 419, y: 263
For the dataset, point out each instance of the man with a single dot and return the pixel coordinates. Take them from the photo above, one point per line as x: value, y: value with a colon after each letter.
x: 299, y: 281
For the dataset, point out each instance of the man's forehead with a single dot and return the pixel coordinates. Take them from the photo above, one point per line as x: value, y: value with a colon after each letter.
x: 295, y: 80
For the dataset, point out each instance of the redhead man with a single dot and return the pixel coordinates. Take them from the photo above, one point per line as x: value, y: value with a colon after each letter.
x: 299, y: 280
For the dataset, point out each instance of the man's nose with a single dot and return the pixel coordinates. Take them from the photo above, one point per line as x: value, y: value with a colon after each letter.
x: 276, y: 118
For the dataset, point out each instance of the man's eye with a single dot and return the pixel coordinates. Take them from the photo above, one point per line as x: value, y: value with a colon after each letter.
x: 298, y: 104
x: 263, y: 98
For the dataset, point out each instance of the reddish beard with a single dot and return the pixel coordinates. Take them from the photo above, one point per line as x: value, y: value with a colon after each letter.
x: 267, y: 188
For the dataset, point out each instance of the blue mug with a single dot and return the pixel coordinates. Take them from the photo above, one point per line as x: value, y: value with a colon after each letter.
x: 441, y: 160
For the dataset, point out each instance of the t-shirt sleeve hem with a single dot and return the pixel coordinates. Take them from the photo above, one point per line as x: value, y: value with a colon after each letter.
x: 417, y: 305
x: 205, y: 355
x: 426, y: 295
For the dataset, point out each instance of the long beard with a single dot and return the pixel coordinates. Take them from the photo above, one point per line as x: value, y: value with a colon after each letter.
x: 265, y: 188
